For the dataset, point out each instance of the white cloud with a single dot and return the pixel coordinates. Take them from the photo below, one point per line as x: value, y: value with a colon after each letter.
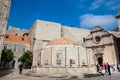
x: 89, y: 21
x: 110, y: 4
x: 113, y: 4
x: 96, y: 4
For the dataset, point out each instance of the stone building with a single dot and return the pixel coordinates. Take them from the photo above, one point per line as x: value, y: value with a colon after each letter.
x: 102, y: 47
x: 4, y: 12
x: 18, y: 41
x: 58, y: 49
x: 62, y: 49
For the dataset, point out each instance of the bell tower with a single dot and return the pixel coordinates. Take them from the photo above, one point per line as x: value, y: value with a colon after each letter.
x: 4, y: 11
x: 118, y: 19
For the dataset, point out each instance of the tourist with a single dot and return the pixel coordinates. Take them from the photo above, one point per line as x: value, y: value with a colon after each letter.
x: 105, y: 67
x: 118, y: 67
x: 113, y: 67
x: 20, y: 68
x: 13, y: 64
x: 100, y: 71
x: 108, y: 67
x: 97, y: 66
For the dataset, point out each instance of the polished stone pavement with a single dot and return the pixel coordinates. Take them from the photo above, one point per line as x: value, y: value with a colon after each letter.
x: 14, y: 75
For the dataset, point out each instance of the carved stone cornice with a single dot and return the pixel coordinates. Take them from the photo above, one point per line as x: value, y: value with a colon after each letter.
x: 100, y: 45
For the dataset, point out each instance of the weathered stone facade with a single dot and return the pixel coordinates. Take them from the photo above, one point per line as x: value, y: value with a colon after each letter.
x: 4, y: 11
x: 102, y: 47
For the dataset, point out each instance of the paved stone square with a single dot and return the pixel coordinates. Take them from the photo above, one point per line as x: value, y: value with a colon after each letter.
x: 114, y: 76
x: 14, y: 75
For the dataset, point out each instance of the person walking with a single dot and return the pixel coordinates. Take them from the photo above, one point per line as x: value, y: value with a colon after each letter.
x: 108, y: 67
x: 20, y: 68
x: 105, y: 66
x: 118, y: 67
x: 13, y: 64
x: 97, y: 66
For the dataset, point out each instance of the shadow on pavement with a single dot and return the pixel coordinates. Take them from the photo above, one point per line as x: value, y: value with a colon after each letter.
x: 5, y: 72
x: 91, y: 75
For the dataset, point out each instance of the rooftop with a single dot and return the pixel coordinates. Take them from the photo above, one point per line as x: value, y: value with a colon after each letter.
x: 17, y: 38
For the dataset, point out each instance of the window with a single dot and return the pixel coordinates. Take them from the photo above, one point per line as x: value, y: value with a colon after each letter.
x: 14, y: 48
x: 5, y: 47
x: 23, y: 50
x: 7, y: 36
x: 97, y: 39
x: 72, y: 61
x: 58, y: 60
x: 22, y: 39
x: 83, y: 39
x: 16, y: 34
x: 25, y: 34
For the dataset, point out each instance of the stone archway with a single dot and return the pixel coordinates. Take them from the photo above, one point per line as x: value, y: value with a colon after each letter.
x: 99, y: 58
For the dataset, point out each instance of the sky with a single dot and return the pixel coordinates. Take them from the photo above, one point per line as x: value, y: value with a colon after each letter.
x: 84, y: 14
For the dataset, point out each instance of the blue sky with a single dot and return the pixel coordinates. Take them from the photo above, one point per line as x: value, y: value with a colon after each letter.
x: 78, y: 13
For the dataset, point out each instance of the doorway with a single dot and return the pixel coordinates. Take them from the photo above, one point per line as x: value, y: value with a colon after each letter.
x: 100, y: 61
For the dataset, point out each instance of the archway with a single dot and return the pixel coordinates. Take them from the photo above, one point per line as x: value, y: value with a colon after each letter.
x: 100, y: 61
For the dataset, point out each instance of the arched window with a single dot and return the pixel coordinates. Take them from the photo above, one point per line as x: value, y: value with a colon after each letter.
x: 14, y: 48
x: 84, y: 39
x: 59, y: 58
x: 5, y: 47
x: 23, y: 50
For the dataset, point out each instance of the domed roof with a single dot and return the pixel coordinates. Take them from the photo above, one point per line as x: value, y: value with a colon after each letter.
x: 62, y: 41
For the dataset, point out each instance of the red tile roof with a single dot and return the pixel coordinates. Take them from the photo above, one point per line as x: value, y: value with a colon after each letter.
x: 17, y: 38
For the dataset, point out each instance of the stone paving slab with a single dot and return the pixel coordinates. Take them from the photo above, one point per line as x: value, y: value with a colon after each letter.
x: 14, y: 75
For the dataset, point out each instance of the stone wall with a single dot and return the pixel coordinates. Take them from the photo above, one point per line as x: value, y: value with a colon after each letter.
x: 47, y: 30
x: 4, y: 12
x: 16, y: 31
x: 32, y: 35
x: 64, y: 70
x: 42, y: 32
x: 76, y: 34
